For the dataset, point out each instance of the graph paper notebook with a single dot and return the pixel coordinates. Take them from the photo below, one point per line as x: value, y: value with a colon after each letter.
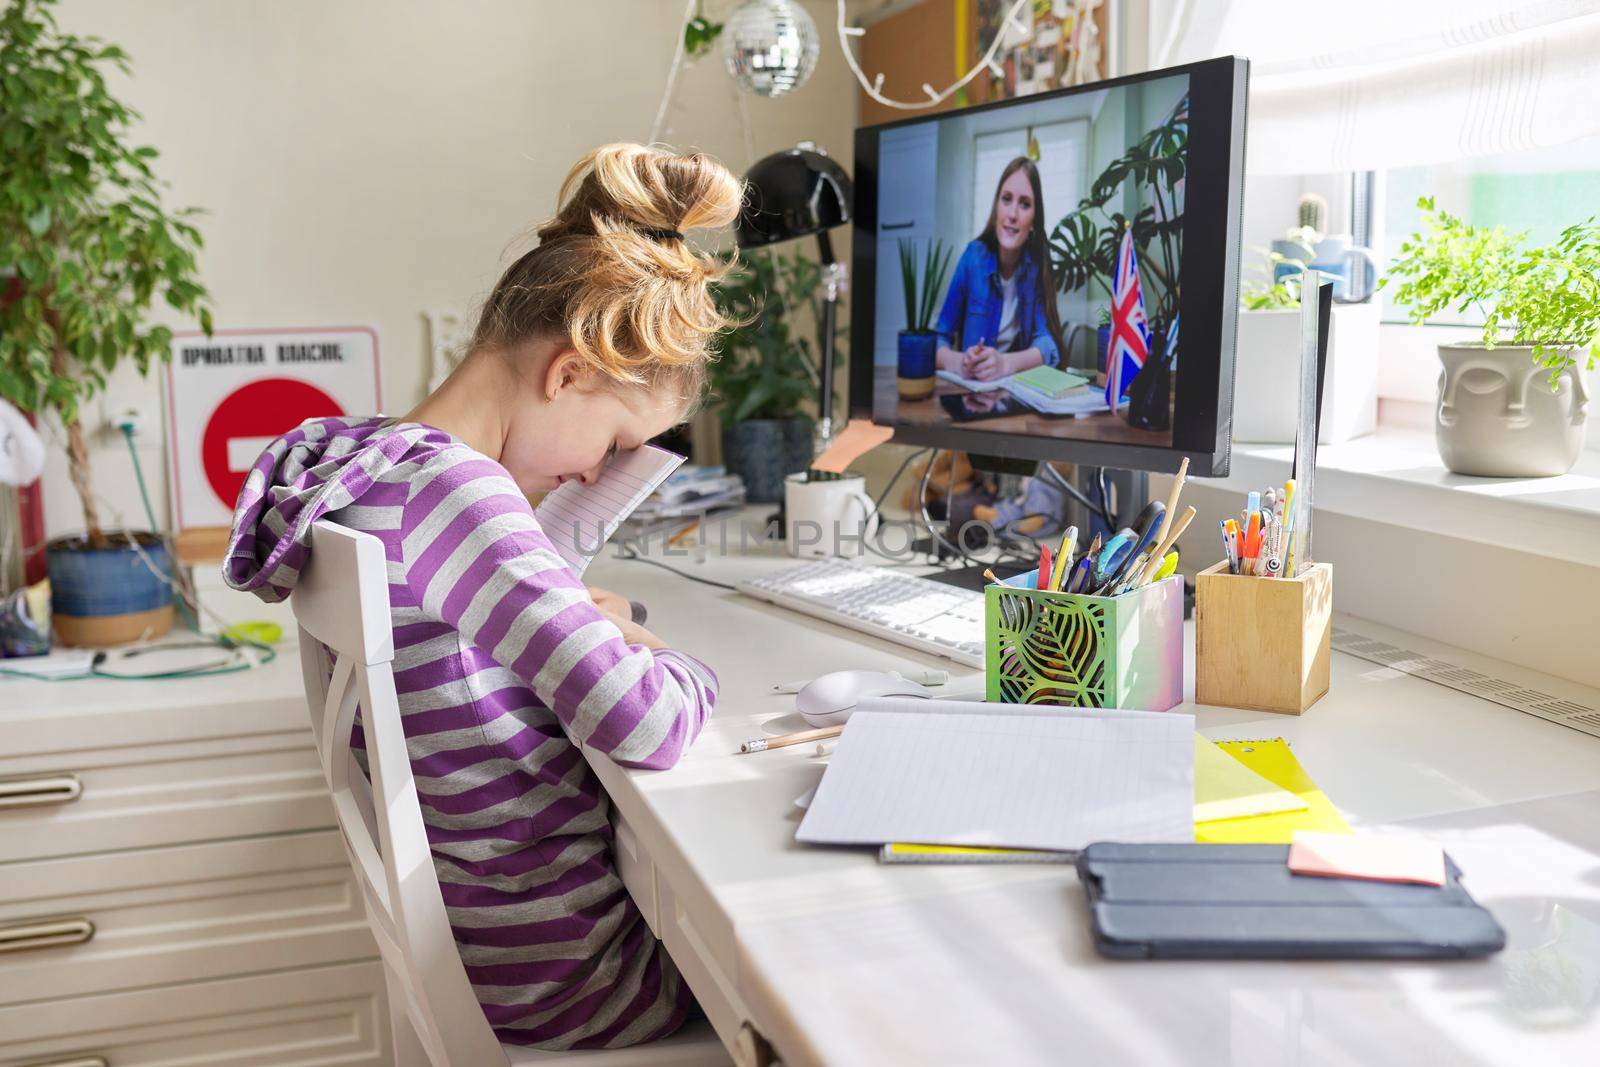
x: 579, y: 518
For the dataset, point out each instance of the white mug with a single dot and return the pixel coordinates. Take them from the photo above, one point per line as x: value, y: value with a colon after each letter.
x: 832, y: 518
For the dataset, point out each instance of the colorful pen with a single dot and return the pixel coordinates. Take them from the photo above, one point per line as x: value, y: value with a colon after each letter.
x: 1063, y: 567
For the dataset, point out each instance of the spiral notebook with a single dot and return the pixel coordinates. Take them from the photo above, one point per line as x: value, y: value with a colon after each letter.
x: 579, y: 519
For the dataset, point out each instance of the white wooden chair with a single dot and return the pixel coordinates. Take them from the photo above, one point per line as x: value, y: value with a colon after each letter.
x: 342, y: 604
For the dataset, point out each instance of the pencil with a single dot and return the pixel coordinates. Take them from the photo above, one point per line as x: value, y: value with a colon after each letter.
x: 761, y: 744
x: 684, y: 533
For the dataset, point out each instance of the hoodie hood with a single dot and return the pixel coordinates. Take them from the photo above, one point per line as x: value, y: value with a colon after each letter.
x: 320, y: 466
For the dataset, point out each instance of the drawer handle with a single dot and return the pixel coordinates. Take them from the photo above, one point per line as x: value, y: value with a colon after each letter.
x: 37, y: 792
x: 77, y: 1061
x: 49, y: 933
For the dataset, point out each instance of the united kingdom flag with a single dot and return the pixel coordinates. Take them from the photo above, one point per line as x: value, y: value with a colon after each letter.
x: 1130, y: 333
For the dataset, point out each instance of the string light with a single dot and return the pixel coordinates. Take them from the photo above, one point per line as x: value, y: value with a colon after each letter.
x: 1011, y: 21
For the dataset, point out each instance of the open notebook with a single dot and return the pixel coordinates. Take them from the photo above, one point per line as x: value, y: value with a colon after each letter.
x: 957, y: 773
x: 579, y: 518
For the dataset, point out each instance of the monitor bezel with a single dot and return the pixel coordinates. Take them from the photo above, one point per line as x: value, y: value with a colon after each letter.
x: 1208, y: 301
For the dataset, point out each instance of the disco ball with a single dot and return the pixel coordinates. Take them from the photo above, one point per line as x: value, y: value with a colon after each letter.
x: 770, y: 46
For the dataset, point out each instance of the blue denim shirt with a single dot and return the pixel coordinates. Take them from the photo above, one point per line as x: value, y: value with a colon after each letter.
x: 972, y: 307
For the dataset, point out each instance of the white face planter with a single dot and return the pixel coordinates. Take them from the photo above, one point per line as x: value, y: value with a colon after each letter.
x: 1498, y: 418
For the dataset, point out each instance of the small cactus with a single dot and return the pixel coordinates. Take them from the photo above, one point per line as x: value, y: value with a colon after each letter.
x: 1313, y: 213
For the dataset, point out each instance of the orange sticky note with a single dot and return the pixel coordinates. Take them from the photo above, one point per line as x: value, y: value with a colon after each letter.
x: 859, y: 437
x: 1368, y: 856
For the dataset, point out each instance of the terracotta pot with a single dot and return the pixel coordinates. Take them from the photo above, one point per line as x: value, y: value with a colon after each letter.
x: 1498, y: 417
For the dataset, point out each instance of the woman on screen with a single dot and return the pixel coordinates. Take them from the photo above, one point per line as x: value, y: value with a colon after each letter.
x: 999, y: 316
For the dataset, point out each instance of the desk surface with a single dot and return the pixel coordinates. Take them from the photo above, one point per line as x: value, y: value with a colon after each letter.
x: 843, y: 961
x: 928, y: 412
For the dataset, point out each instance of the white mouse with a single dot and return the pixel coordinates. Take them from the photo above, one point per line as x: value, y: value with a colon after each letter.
x: 829, y: 699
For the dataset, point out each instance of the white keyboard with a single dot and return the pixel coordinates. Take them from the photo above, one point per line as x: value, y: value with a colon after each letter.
x: 916, y: 612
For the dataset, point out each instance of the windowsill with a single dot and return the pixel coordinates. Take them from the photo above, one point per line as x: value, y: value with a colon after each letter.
x: 1394, y: 476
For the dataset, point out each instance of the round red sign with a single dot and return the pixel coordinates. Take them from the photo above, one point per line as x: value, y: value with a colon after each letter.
x: 246, y: 422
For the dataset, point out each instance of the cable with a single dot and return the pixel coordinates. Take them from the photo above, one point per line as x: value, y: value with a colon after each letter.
x: 672, y: 76
x: 1078, y: 494
x: 927, y: 519
x: 138, y: 473
x: 158, y: 676
x: 631, y: 554
x: 877, y: 505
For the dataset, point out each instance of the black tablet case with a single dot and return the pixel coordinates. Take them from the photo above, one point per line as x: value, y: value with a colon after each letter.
x: 1242, y: 902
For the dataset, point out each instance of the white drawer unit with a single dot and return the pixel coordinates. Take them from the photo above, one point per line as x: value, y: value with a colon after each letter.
x: 314, y: 1017
x: 85, y: 796
x: 125, y: 920
x: 172, y: 887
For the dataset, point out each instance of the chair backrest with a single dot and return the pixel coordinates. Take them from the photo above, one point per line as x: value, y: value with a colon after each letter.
x: 346, y: 654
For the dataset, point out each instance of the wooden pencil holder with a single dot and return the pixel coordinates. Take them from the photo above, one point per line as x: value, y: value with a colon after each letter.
x: 1044, y: 647
x: 1262, y: 643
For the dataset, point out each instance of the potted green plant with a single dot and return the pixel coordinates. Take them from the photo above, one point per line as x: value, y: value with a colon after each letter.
x: 766, y: 373
x: 86, y: 248
x: 922, y: 279
x: 1541, y: 309
x: 1266, y: 369
x: 1084, y: 244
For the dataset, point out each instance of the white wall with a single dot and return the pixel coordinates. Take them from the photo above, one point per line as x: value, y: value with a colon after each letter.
x: 363, y: 160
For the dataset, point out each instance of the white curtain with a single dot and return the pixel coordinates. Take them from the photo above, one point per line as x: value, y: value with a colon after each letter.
x: 1371, y: 84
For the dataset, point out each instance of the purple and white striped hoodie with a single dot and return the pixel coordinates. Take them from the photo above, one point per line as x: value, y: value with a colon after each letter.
x: 503, y: 667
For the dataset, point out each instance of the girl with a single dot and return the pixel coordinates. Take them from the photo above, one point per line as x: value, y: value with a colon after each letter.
x: 1000, y: 316
x: 594, y: 341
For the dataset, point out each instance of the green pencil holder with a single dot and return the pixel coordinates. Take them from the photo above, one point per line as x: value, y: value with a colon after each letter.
x: 1067, y: 649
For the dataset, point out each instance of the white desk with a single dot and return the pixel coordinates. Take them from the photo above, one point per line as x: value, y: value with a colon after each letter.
x: 835, y: 959
x: 838, y: 960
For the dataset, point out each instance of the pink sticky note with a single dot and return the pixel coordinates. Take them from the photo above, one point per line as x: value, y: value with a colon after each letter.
x: 859, y: 437
x: 1368, y: 856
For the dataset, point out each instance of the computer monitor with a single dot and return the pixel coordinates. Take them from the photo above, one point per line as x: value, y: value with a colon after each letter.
x: 1018, y: 263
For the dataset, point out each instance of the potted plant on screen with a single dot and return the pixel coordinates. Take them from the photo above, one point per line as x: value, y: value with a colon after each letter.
x: 86, y: 249
x: 766, y: 373
x: 1084, y: 244
x: 1514, y: 404
x: 922, y: 279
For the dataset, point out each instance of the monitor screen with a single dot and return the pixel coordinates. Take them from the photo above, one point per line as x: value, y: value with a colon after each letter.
x: 1055, y: 277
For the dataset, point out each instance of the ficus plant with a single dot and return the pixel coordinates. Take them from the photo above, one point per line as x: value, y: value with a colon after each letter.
x: 86, y: 245
x: 1546, y: 297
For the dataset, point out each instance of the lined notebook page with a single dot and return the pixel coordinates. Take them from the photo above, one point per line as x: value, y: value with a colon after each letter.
x: 1041, y: 781
x: 579, y: 518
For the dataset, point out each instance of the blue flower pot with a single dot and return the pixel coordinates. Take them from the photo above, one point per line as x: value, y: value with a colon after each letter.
x: 917, y: 357
x: 109, y: 596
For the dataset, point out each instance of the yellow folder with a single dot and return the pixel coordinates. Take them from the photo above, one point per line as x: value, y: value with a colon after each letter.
x: 1225, y: 788
x: 1257, y: 793
x: 1272, y: 760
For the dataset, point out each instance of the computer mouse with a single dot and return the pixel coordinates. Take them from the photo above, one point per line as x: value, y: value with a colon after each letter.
x: 829, y: 699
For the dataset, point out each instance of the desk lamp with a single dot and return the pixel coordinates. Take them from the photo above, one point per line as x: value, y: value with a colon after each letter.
x: 796, y: 193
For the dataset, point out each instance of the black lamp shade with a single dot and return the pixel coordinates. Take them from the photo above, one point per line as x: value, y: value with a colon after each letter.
x: 793, y: 193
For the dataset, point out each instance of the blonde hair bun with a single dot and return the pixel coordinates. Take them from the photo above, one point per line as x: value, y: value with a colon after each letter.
x: 613, y: 272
